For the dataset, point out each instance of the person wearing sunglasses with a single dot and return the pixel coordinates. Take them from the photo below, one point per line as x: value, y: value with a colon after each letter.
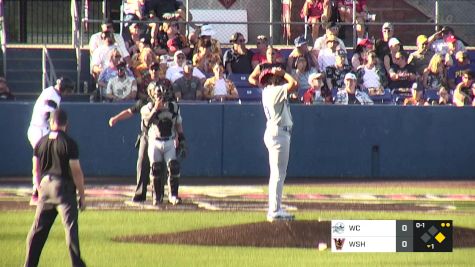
x: 238, y: 58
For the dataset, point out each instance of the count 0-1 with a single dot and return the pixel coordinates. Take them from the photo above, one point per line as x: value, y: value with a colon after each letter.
x: 419, y: 225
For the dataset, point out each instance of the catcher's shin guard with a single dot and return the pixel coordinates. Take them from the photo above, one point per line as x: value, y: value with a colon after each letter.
x: 157, y: 183
x: 173, y: 178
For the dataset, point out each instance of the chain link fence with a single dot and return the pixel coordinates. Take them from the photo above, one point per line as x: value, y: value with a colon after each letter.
x: 49, y: 21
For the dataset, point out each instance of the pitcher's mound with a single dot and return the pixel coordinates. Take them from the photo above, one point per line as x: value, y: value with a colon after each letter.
x: 296, y: 234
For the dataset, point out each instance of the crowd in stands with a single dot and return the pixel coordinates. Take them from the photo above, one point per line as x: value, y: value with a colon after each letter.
x: 155, y: 49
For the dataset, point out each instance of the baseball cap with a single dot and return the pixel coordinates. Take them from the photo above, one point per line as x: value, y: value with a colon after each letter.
x: 421, y: 39
x: 365, y: 42
x: 299, y: 41
x: 341, y: 53
x: 316, y: 75
x: 121, y: 64
x: 350, y: 76
x: 451, y: 39
x: 265, y: 75
x: 393, y: 42
x: 207, y: 30
x: 387, y: 25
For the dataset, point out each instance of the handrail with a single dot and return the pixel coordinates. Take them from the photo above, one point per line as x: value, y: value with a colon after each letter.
x: 51, y: 79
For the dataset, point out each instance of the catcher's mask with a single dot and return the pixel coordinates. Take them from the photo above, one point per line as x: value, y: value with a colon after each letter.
x: 160, y: 92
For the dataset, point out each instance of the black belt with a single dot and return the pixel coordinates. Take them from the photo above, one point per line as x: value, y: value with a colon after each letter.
x: 286, y: 128
x: 163, y: 138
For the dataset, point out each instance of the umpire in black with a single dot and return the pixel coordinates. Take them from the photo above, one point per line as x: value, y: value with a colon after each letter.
x: 57, y: 170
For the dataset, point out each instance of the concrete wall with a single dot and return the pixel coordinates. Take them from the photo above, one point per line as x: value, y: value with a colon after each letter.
x: 226, y: 140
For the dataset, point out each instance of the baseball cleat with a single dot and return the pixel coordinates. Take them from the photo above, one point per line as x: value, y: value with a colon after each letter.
x: 174, y: 200
x: 138, y: 199
x: 280, y: 215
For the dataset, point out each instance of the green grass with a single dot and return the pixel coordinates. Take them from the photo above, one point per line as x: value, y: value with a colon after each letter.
x: 97, y: 228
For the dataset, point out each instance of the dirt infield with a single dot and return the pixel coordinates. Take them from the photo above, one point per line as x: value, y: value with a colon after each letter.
x: 295, y: 234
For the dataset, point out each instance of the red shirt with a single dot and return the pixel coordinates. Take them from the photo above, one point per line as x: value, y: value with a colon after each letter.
x: 315, y: 9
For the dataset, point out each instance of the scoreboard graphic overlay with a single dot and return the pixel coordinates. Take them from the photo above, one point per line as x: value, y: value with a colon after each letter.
x: 391, y: 236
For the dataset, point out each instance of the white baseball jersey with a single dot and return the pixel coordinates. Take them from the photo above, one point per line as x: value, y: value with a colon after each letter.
x: 276, y: 106
x: 47, y: 102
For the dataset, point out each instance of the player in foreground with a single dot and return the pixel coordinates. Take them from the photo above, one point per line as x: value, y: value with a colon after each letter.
x: 277, y: 86
x: 47, y: 102
x: 58, y: 175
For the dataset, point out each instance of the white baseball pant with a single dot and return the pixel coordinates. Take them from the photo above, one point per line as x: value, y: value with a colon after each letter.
x: 277, y: 142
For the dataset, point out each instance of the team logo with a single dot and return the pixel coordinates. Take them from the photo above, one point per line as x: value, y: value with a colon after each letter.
x: 338, y: 228
x: 339, y: 242
x: 227, y: 3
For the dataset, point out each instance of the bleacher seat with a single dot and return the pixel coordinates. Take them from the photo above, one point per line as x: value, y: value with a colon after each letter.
x: 240, y: 79
x: 250, y: 93
x: 387, y: 98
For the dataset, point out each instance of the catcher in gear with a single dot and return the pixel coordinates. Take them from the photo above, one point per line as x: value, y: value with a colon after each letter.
x: 165, y: 136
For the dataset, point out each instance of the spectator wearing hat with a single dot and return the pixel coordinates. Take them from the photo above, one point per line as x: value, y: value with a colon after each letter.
x: 313, y: 11
x: 96, y: 39
x: 454, y: 73
x: 327, y: 56
x: 188, y: 87
x: 207, y: 50
x: 157, y: 78
x: 435, y: 75
x: 218, y: 88
x: 260, y: 54
x: 335, y: 75
x: 111, y: 70
x: 444, y: 39
x: 271, y: 61
x: 421, y: 57
x: 318, y: 93
x: 361, y: 52
x: 175, y: 71
x: 382, y: 45
x: 331, y: 29
x: 238, y: 59
x: 121, y: 87
x: 372, y: 76
x: 349, y: 95
x: 464, y: 91
x: 301, y: 50
x: 417, y: 97
x: 401, y: 75
x: 394, y: 46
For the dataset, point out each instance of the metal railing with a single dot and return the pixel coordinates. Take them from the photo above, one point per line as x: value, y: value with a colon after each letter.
x: 49, y: 77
